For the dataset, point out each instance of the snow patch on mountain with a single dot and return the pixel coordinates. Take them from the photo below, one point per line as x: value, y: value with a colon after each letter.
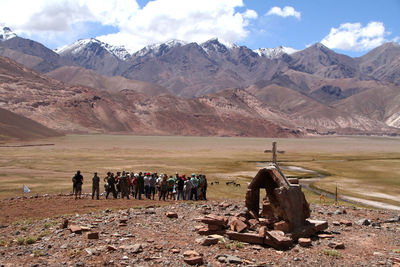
x: 276, y: 52
x: 217, y: 45
x: 159, y: 49
x: 6, y: 33
x: 80, y: 45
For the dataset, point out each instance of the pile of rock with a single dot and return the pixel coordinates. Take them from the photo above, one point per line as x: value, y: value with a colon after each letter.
x: 283, y: 219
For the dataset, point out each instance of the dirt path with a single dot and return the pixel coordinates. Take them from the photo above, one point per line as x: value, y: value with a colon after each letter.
x: 307, y: 182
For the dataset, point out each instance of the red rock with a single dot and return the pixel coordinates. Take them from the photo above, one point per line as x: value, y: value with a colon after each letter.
x: 304, y: 242
x: 277, y: 239
x: 267, y: 210
x: 237, y: 225
x: 214, y: 219
x: 111, y: 248
x: 193, y: 260
x: 262, y: 231
x: 207, y: 241
x: 325, y: 236
x: 253, y: 222
x: 336, y: 245
x: 246, y: 237
x: 190, y: 253
x: 174, y: 250
x: 281, y: 226
x: 122, y: 225
x: 346, y: 222
x: 75, y: 229
x: 206, y: 231
x: 171, y: 214
x: 123, y: 220
x: 336, y: 223
x: 214, y: 227
x: 64, y: 224
x: 93, y: 235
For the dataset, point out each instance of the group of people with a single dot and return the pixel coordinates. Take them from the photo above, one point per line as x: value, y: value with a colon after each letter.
x: 123, y: 184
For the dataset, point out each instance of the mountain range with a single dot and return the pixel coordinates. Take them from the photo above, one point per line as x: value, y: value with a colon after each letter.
x: 212, y: 88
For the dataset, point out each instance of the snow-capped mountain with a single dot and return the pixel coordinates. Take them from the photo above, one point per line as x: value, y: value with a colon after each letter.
x: 6, y: 33
x: 156, y: 50
x: 217, y: 45
x: 276, y: 52
x: 84, y: 44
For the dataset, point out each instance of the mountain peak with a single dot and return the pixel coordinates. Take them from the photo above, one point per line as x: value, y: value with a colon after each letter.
x: 276, y: 52
x: 159, y: 49
x: 217, y: 45
x: 92, y: 43
x: 6, y: 33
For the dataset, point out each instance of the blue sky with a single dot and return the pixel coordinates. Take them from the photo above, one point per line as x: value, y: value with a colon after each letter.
x: 351, y: 27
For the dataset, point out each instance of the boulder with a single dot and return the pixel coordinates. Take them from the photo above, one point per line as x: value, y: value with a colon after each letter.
x: 93, y: 235
x: 252, y: 238
x: 237, y: 225
x: 171, y: 214
x: 281, y: 226
x: 76, y: 229
x: 278, y: 239
x: 207, y: 241
x: 193, y: 260
x: 336, y: 245
x: 304, y: 242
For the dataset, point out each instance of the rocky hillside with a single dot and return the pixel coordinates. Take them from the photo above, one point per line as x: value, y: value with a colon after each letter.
x: 17, y: 127
x: 315, y: 90
x: 159, y: 234
x: 69, y: 108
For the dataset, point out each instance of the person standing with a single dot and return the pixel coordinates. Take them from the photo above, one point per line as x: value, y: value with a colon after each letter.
x: 139, y: 186
x: 153, y: 181
x: 194, y: 182
x: 123, y: 183
x: 111, y: 185
x: 163, y: 188
x: 146, y: 181
x: 180, y: 185
x: 205, y: 187
x: 95, y: 186
x: 187, y: 187
x: 78, y: 181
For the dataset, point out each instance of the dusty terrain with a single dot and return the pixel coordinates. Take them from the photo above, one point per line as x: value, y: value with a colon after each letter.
x: 150, y: 238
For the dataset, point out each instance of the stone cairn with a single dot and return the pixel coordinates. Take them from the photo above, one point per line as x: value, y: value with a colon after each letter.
x: 284, y: 216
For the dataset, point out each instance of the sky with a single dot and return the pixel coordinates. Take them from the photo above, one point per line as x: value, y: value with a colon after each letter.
x: 351, y: 27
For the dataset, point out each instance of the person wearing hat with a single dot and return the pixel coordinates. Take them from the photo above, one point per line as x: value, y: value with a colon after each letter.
x: 194, y: 182
x: 95, y: 186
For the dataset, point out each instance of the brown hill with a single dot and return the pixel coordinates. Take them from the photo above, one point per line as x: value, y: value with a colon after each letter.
x: 89, y: 78
x: 69, y: 108
x: 17, y: 127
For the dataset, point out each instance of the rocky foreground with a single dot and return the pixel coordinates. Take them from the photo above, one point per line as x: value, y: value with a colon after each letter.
x: 168, y: 235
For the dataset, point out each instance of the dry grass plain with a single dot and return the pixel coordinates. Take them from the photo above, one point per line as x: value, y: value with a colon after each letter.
x: 366, y: 167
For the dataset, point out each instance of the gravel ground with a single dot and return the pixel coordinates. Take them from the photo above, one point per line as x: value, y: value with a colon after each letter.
x: 138, y: 233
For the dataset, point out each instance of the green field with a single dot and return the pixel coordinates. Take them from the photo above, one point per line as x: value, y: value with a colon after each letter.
x: 366, y: 167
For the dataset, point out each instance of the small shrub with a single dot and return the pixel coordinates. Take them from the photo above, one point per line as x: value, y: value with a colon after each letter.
x: 20, y: 240
x: 238, y: 244
x: 332, y: 253
x: 38, y: 253
x: 396, y: 250
x: 23, y: 228
x: 30, y: 240
x: 2, y: 243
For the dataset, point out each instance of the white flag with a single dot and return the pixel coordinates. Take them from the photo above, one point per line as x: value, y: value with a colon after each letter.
x: 26, y: 189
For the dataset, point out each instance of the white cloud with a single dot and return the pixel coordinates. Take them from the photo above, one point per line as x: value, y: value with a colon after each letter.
x: 191, y: 21
x: 287, y: 11
x: 158, y: 21
x: 355, y: 37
